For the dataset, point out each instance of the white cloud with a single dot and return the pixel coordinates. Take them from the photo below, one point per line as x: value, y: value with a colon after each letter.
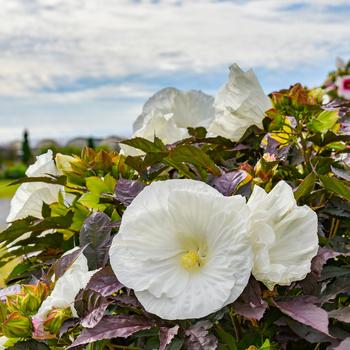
x: 45, y: 42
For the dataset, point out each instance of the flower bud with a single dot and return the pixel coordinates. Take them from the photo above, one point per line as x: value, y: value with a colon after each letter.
x: 63, y: 162
x: 17, y: 326
x: 55, y: 319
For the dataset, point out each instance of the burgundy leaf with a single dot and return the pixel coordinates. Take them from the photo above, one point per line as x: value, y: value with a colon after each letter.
x: 323, y: 255
x: 96, y: 235
x: 67, y: 325
x: 166, y: 335
x: 306, y: 332
x: 250, y: 304
x: 342, y: 314
x: 344, y: 345
x: 120, y: 326
x: 340, y: 285
x: 199, y: 337
x: 104, y: 282
x: 91, y: 307
x: 65, y: 262
x: 306, y: 313
x: 227, y: 184
x: 127, y: 190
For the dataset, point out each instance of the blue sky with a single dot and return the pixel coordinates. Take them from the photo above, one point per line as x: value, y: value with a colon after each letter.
x: 83, y: 67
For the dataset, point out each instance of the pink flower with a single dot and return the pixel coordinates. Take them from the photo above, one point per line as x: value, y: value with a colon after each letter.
x: 343, y: 84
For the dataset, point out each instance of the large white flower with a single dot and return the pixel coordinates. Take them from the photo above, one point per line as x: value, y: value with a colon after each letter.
x: 183, y: 248
x: 169, y: 112
x: 239, y: 104
x: 283, y: 236
x: 67, y: 287
x: 29, y: 197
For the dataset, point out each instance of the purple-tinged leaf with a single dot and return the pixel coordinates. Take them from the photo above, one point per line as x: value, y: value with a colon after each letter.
x: 104, y: 282
x: 91, y: 307
x: 306, y: 313
x: 96, y: 234
x: 343, y: 345
x: 323, y: 255
x: 228, y: 183
x: 15, y: 289
x: 199, y: 337
x: 250, y: 304
x: 67, y: 325
x: 166, y: 335
x: 343, y: 174
x: 65, y: 262
x: 342, y: 314
x: 127, y: 300
x: 306, y: 332
x: 127, y: 190
x: 119, y: 326
x: 339, y: 286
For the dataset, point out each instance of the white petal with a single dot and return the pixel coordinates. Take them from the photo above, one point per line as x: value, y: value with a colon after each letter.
x: 239, y: 104
x: 44, y: 165
x: 283, y: 235
x: 29, y: 199
x: 168, y: 219
x: 67, y: 286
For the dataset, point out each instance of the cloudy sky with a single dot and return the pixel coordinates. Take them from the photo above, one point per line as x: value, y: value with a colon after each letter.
x: 85, y: 67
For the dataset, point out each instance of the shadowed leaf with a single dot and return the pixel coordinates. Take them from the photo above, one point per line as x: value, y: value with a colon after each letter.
x: 127, y: 190
x: 120, y: 326
x: 95, y: 234
x: 104, y: 282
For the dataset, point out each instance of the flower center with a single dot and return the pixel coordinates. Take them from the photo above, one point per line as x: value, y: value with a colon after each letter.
x: 190, y: 260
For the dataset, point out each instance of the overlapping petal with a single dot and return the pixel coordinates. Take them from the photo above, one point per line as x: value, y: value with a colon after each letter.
x: 283, y: 235
x: 67, y: 287
x: 239, y: 104
x: 168, y: 113
x: 29, y: 197
x: 167, y: 220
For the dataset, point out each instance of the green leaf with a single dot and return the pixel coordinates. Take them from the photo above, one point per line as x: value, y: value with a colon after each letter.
x: 92, y: 201
x: 336, y: 186
x: 325, y: 121
x: 226, y: 338
x: 31, y: 224
x: 146, y: 145
x: 193, y: 155
x: 306, y: 186
x: 96, y: 185
x: 54, y: 180
x: 198, y: 133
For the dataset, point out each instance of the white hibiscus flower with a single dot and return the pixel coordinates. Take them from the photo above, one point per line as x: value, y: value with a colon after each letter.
x: 183, y: 248
x: 168, y: 113
x: 29, y: 197
x: 283, y: 235
x: 67, y: 287
x: 239, y: 104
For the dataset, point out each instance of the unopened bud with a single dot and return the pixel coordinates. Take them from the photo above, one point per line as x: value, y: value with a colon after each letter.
x: 17, y: 326
x: 55, y: 319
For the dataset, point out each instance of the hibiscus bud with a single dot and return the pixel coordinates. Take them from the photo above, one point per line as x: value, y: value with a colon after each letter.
x: 39, y: 291
x: 63, y: 162
x: 17, y: 326
x: 55, y: 319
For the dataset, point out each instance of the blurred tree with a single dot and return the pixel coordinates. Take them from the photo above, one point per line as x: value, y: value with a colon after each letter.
x: 91, y: 142
x: 26, y: 151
